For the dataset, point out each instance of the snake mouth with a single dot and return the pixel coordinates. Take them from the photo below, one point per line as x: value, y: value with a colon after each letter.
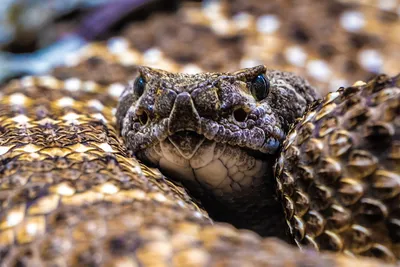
x: 186, y: 142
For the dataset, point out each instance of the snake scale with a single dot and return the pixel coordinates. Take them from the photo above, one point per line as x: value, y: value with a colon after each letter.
x: 71, y: 194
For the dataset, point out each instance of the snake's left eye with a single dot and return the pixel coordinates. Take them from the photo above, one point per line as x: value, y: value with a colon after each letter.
x: 259, y: 87
x: 139, y: 85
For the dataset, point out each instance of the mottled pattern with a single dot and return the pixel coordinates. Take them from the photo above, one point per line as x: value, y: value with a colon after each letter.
x: 330, y: 43
x: 209, y: 131
x: 68, y: 199
x: 339, y: 172
x: 71, y: 196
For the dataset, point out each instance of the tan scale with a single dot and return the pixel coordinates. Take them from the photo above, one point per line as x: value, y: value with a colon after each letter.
x: 70, y: 195
x: 136, y: 201
x: 339, y: 174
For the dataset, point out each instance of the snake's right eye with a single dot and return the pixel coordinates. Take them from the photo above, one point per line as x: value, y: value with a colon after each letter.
x: 139, y: 85
x: 260, y: 87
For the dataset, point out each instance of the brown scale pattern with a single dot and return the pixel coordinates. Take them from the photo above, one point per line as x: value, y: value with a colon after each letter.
x: 70, y: 195
x: 225, y: 35
x: 339, y: 172
x: 312, y: 39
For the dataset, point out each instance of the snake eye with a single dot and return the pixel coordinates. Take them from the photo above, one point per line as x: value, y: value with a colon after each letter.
x: 259, y: 87
x: 139, y: 85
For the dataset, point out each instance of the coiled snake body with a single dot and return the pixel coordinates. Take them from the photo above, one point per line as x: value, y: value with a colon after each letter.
x: 72, y: 195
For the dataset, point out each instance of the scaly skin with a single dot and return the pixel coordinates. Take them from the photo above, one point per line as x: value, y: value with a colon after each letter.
x: 71, y: 196
x: 339, y: 172
x: 220, y: 245
x: 209, y: 131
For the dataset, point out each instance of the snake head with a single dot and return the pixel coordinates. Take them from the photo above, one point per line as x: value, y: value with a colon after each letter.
x: 218, y: 131
x: 250, y: 108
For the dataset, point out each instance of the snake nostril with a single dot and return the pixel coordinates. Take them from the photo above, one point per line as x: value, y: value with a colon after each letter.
x: 240, y: 115
x: 143, y: 118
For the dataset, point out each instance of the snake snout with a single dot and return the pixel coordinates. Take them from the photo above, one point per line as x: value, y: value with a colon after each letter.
x: 184, y: 116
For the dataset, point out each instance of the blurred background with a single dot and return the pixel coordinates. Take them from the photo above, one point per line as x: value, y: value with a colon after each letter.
x: 333, y: 43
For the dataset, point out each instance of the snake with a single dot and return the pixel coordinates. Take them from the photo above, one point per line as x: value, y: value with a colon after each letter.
x: 73, y: 195
x: 219, y: 134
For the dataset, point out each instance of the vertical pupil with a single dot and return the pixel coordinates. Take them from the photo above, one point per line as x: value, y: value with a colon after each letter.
x: 139, y: 86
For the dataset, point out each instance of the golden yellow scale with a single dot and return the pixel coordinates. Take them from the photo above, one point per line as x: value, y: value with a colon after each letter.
x: 71, y: 196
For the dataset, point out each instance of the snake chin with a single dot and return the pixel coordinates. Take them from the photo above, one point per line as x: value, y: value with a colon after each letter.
x: 209, y: 165
x: 234, y: 184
